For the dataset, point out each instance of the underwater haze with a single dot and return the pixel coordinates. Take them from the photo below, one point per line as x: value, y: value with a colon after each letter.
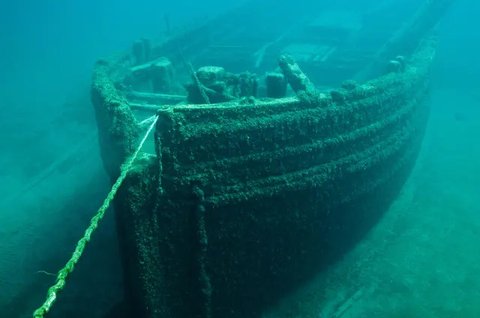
x: 52, y: 179
x: 421, y: 258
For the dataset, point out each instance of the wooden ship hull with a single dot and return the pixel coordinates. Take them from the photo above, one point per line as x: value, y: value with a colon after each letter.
x: 238, y: 202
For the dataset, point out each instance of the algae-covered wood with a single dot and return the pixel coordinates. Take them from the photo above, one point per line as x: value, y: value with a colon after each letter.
x: 286, y: 187
x: 242, y: 200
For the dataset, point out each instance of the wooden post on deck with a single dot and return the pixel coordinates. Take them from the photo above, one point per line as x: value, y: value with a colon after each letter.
x: 298, y: 81
x: 276, y: 85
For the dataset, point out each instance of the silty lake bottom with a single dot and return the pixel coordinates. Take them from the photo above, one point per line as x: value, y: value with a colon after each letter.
x: 419, y: 260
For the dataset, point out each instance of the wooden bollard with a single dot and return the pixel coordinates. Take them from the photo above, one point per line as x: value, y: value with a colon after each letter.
x: 276, y: 85
x: 295, y: 76
x: 162, y: 75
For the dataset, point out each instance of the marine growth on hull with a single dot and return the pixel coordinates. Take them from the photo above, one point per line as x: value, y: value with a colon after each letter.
x: 276, y: 147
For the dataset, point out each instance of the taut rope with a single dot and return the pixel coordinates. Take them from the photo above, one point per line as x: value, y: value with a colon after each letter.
x: 63, y: 273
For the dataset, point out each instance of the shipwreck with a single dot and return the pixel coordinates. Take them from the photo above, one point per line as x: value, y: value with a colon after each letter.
x: 270, y: 158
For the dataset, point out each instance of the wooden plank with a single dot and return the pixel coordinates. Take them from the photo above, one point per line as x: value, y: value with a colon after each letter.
x: 155, y: 98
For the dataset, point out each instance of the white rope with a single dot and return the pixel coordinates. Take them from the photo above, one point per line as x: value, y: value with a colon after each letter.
x: 147, y: 121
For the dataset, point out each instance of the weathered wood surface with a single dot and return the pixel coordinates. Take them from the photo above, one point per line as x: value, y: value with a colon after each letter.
x: 154, y: 98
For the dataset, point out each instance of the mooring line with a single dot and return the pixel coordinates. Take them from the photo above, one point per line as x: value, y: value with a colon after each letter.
x: 63, y: 273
